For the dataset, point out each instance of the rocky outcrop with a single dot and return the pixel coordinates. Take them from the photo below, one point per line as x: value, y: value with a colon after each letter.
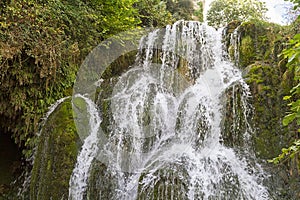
x: 55, y: 155
x: 255, y: 47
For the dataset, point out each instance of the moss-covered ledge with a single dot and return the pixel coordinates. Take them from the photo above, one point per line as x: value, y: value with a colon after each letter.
x: 56, y: 155
x: 267, y: 95
x: 255, y: 47
x: 253, y: 41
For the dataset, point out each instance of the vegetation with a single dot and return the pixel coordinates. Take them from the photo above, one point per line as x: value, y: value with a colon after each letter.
x: 181, y: 9
x: 292, y: 119
x: 42, y: 44
x: 271, y: 72
x: 199, y: 12
x: 296, y: 3
x: 153, y: 13
x: 159, y: 13
x: 222, y: 12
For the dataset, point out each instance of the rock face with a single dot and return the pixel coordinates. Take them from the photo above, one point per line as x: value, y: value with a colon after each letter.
x: 255, y: 47
x: 55, y: 155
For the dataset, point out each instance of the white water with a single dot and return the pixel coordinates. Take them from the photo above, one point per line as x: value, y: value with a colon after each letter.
x: 89, y: 150
x: 165, y: 140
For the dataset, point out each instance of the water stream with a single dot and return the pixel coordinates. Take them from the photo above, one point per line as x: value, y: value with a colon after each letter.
x: 165, y: 137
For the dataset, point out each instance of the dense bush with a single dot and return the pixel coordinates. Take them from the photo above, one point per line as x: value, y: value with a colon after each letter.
x: 42, y: 44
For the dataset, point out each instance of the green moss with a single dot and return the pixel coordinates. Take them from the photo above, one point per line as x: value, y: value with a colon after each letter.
x: 183, y: 68
x: 259, y: 41
x: 120, y: 65
x: 79, y: 103
x: 230, y: 28
x: 101, y: 181
x: 234, y: 120
x: 231, y: 52
x: 287, y: 81
x: 169, y: 178
x: 56, y: 155
x: 265, y: 83
x: 247, y: 52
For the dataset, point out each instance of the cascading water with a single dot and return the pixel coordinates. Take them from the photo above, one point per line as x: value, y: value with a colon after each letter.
x: 78, y: 181
x: 165, y: 137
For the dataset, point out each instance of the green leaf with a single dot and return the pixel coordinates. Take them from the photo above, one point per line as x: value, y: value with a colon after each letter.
x: 297, y: 142
x: 286, y: 97
x: 288, y: 119
x: 292, y: 58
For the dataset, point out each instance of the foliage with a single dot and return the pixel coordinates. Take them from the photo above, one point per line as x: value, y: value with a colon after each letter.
x: 287, y: 153
x: 42, y: 44
x: 292, y: 53
x: 222, y: 12
x: 199, y: 12
x: 291, y: 11
x: 181, y: 9
x: 153, y: 13
x: 296, y: 3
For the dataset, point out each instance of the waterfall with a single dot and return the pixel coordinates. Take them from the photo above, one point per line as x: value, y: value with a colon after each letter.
x: 165, y: 136
x: 78, y: 181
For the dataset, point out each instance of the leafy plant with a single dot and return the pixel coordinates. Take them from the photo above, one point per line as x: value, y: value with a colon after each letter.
x: 292, y: 53
x: 181, y: 9
x: 154, y: 13
x: 296, y: 3
x: 42, y: 44
x: 199, y: 12
x: 222, y: 12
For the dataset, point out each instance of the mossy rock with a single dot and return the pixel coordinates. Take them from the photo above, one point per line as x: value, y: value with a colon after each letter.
x: 247, y: 51
x: 287, y: 81
x: 228, y: 31
x: 56, y: 155
x: 269, y: 108
x: 102, y: 184
x: 168, y: 182
x: 257, y: 41
x: 234, y: 124
x: 120, y: 65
